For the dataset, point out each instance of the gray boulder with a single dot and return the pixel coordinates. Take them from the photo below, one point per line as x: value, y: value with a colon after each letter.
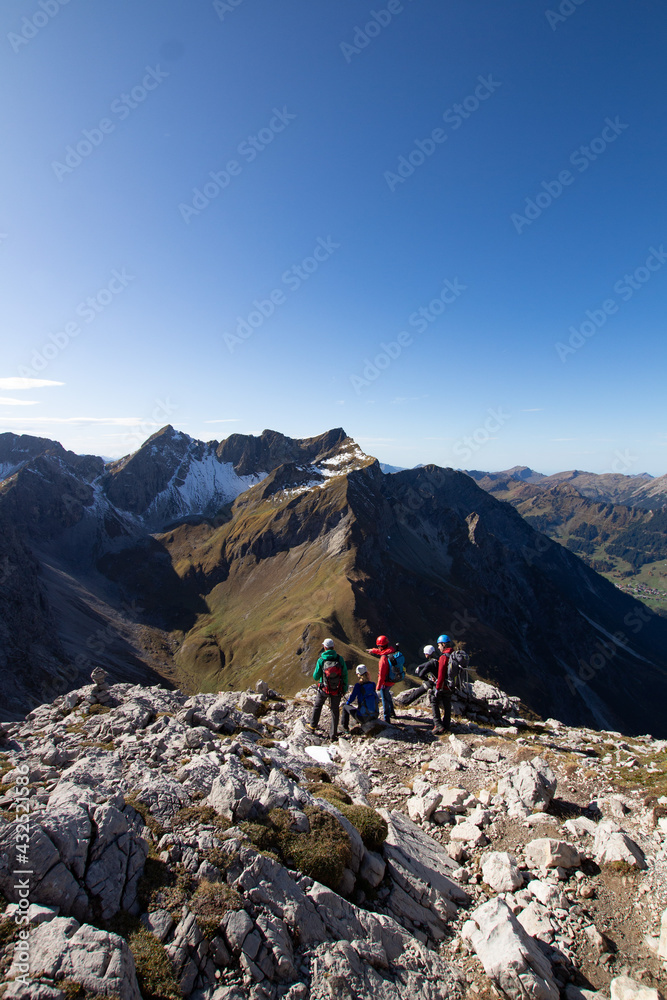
x: 612, y: 844
x: 528, y: 787
x: 548, y: 853
x: 499, y: 870
x: 509, y: 955
x: 64, y: 949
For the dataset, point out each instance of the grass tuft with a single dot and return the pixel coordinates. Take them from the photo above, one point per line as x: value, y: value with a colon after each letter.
x: 200, y: 816
x: 322, y: 854
x: 155, y: 973
x: 149, y: 820
x: 372, y: 827
x: 210, y: 903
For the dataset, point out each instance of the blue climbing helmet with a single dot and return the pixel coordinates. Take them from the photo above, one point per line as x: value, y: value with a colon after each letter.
x: 444, y: 638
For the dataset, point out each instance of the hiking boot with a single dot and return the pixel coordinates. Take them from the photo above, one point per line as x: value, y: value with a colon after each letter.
x: 342, y: 736
x: 310, y: 727
x: 438, y: 730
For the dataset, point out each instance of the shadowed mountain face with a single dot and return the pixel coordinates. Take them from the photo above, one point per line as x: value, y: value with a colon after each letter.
x: 248, y: 584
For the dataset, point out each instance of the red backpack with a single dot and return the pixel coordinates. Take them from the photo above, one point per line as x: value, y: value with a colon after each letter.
x: 332, y: 677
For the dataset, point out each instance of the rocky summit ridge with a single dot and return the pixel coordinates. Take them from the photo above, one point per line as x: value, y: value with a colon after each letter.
x: 157, y: 845
x: 213, y: 565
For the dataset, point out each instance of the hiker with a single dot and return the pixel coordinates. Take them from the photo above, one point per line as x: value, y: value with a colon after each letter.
x: 331, y: 675
x: 384, y: 650
x: 427, y: 672
x: 366, y: 697
x: 442, y: 696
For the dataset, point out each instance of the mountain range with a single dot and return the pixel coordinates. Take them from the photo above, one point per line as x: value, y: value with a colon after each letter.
x: 211, y: 564
x: 624, y: 539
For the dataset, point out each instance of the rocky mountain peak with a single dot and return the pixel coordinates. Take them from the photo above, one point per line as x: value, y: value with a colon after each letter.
x: 211, y: 847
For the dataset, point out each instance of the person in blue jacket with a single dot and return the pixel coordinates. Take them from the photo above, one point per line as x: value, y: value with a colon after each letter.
x: 365, y: 695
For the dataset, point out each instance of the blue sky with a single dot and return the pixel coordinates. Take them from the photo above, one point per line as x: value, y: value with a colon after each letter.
x: 221, y: 215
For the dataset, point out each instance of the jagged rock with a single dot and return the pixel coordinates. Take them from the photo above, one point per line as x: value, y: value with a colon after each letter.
x: 459, y: 747
x: 421, y: 807
x: 200, y: 773
x: 549, y: 895
x: 499, y: 870
x: 468, y: 833
x: 417, y: 864
x: 237, y: 925
x: 454, y: 799
x: 357, y: 969
x: 248, y: 705
x: 64, y: 949
x: 612, y: 806
x: 599, y: 942
x: 509, y: 955
x: 528, y: 787
x: 613, y: 844
x: 580, y: 826
x: 548, y: 853
x: 85, y: 857
x: 130, y: 717
x: 373, y: 868
x: 187, y: 952
x: 356, y: 781
x: 488, y: 754
x: 159, y: 923
x: 625, y: 988
x: 536, y: 921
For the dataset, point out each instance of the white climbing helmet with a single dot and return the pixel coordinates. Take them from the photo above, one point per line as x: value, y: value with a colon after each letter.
x: 429, y: 650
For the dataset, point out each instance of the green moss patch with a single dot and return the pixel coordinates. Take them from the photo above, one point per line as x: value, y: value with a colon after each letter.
x: 322, y: 854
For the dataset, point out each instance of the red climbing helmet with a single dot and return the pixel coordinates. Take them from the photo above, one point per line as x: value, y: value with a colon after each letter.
x: 381, y: 641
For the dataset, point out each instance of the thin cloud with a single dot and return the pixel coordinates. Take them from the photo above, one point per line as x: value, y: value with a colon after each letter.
x: 8, y: 401
x: 534, y: 409
x: 81, y: 421
x: 26, y: 383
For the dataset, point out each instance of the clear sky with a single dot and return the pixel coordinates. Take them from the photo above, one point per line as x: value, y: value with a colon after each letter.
x: 221, y: 215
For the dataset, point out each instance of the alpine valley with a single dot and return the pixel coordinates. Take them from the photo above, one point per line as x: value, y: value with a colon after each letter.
x: 209, y: 566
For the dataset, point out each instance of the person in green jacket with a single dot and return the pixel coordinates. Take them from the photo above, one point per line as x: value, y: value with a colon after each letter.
x: 331, y: 676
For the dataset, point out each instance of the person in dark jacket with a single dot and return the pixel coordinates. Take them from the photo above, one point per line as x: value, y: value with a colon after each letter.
x: 442, y: 696
x: 384, y: 650
x: 331, y: 675
x: 366, y: 697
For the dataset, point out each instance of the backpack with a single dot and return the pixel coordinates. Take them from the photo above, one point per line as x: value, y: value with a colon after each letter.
x: 332, y: 677
x: 396, y: 670
x: 368, y: 701
x: 458, y: 664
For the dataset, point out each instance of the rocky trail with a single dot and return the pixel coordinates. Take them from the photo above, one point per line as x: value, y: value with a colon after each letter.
x: 154, y: 845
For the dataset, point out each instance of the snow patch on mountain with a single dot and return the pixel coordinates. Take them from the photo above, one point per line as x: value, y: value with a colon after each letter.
x: 200, y: 486
x: 8, y: 469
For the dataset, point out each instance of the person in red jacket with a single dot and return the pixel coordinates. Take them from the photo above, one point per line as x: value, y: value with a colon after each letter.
x: 442, y: 696
x: 383, y: 649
